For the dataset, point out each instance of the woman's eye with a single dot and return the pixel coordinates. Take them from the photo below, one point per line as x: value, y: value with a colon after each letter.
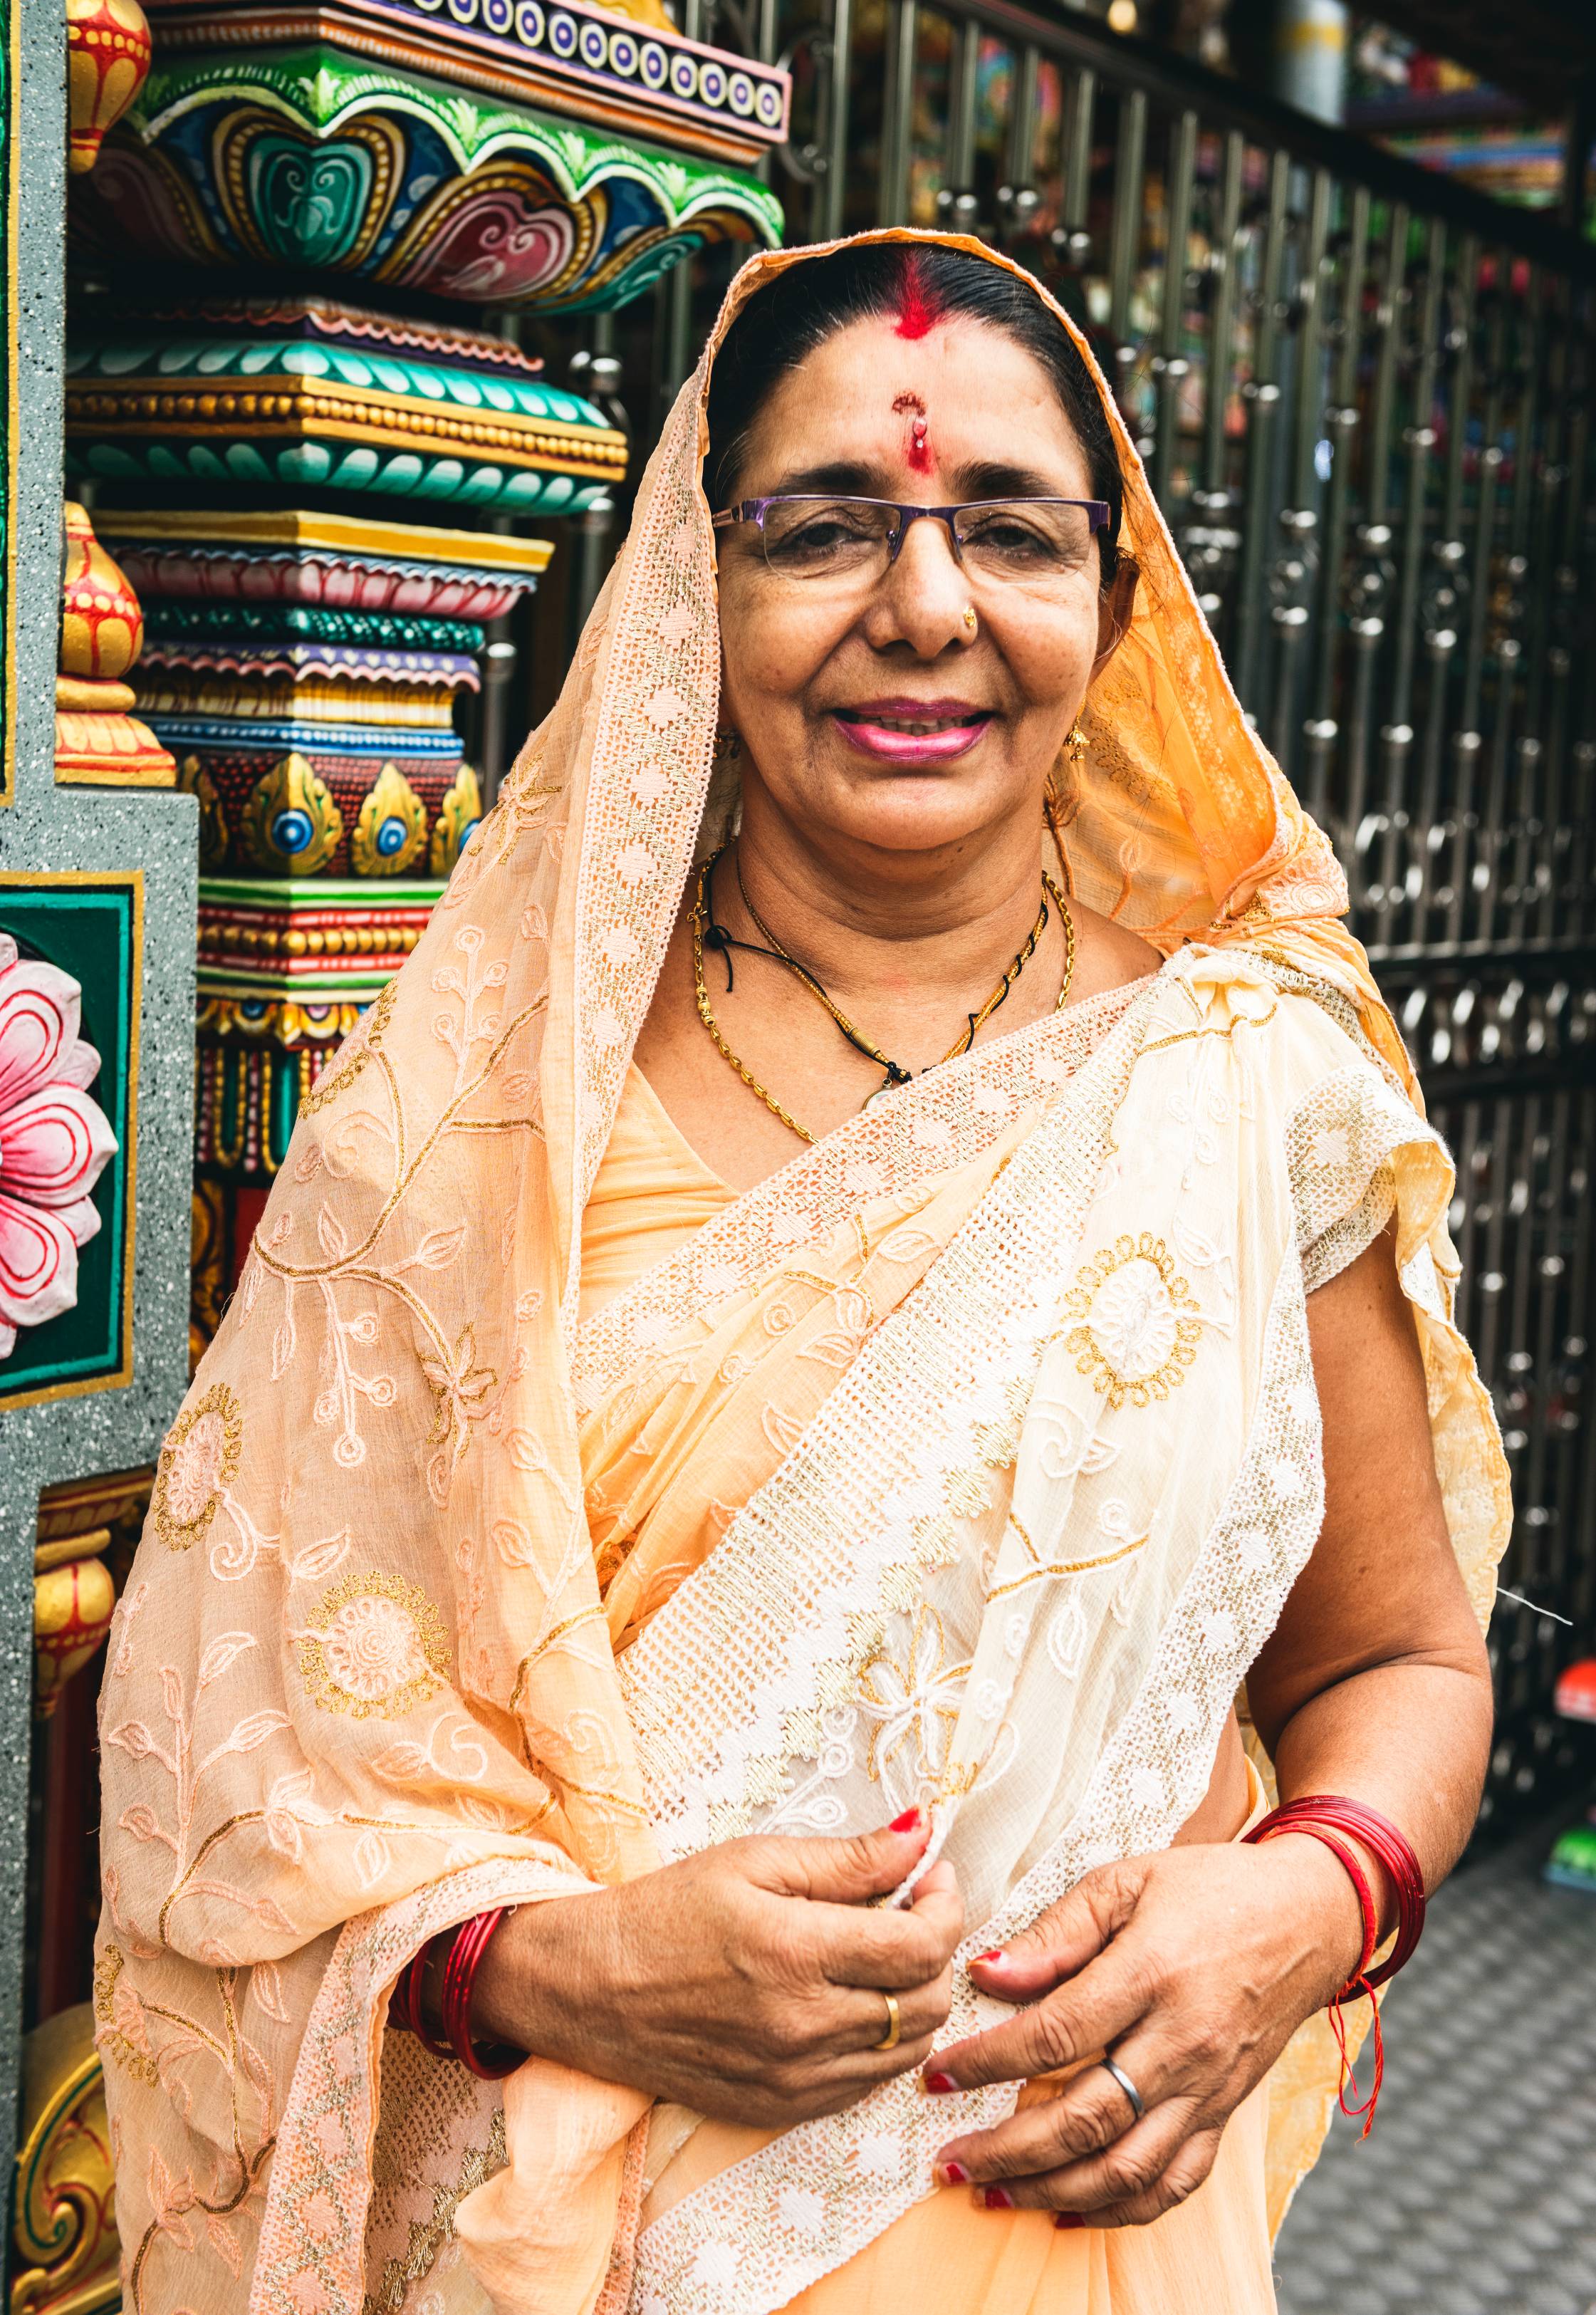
x: 1008, y: 538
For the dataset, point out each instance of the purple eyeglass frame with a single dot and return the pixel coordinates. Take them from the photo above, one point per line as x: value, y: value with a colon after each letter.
x: 754, y: 510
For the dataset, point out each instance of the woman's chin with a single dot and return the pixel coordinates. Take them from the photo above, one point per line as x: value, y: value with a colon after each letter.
x: 925, y: 809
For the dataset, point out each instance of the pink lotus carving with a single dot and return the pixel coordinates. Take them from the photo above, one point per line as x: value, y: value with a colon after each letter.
x: 54, y: 1142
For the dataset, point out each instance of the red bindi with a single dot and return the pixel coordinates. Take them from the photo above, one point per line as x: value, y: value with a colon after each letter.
x: 919, y: 452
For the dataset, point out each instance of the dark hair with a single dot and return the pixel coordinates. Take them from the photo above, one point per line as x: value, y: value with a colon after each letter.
x: 917, y: 285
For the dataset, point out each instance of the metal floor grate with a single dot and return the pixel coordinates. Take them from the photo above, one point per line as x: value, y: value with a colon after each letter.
x: 1477, y: 2195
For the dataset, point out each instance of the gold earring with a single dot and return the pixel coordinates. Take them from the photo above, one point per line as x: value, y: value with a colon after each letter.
x: 1078, y: 749
x: 967, y: 619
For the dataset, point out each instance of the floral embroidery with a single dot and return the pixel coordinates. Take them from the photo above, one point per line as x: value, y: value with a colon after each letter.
x: 913, y: 1707
x: 199, y: 1463
x: 120, y: 2025
x: 380, y: 1648
x: 1132, y: 1334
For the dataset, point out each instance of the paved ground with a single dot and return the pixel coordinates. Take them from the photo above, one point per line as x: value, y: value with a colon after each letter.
x: 1477, y: 2195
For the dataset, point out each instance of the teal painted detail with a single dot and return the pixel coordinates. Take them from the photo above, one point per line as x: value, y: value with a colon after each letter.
x: 206, y: 362
x: 567, y: 218
x: 300, y: 623
x: 88, y: 931
x: 401, y: 475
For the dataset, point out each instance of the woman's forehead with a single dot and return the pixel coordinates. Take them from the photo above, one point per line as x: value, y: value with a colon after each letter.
x: 977, y: 394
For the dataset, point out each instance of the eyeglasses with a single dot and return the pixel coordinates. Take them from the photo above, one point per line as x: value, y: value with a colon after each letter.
x: 1041, y: 543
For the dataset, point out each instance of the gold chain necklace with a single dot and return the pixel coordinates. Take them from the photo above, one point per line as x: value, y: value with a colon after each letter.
x: 895, y: 1073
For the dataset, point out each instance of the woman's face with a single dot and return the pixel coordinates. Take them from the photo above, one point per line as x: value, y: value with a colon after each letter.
x: 832, y: 689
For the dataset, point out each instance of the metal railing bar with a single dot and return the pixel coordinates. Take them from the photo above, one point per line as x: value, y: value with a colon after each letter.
x: 1125, y: 237
x: 1171, y: 362
x: 898, y: 112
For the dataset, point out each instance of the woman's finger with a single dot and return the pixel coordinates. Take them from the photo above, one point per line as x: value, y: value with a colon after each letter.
x: 1066, y: 1937
x: 1048, y: 2135
x: 910, y: 1946
x: 1089, y: 2013
x: 1186, y: 2171
x: 1122, y: 2173
x: 864, y: 2019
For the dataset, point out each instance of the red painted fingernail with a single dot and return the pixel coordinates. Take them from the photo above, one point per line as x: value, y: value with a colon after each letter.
x: 939, y: 2085
x: 953, y: 2174
x: 997, y: 2198
x: 1070, y: 2218
x: 996, y: 1955
x: 910, y: 1822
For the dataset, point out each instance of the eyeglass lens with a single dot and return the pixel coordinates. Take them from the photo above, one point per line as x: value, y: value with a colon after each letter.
x: 1035, y: 543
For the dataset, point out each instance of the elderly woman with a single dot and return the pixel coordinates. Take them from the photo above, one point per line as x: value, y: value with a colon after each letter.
x: 845, y: 1378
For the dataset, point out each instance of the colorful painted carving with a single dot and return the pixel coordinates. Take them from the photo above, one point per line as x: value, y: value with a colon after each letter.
x: 54, y: 1142
x: 98, y: 739
x: 571, y: 58
x: 325, y: 560
x: 108, y: 62
x: 312, y: 158
x: 293, y: 404
x: 64, y: 2229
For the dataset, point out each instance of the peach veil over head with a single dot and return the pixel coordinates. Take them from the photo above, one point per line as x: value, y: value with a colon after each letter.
x: 361, y: 1683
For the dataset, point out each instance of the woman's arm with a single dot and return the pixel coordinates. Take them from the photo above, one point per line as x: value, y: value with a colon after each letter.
x: 748, y: 1981
x: 1196, y: 1966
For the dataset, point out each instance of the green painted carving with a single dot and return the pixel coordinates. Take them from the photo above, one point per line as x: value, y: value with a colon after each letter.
x: 307, y: 157
x: 277, y: 622
x: 262, y: 405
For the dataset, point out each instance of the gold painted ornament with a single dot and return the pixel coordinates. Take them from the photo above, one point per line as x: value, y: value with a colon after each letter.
x: 108, y: 62
x: 290, y: 821
x: 457, y: 817
x: 391, y: 831
x: 99, y: 741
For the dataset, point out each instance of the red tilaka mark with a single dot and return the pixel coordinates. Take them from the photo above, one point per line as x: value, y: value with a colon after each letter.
x: 919, y: 452
x: 919, y: 309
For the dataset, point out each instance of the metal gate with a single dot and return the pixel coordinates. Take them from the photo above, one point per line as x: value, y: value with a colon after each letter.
x: 1363, y: 394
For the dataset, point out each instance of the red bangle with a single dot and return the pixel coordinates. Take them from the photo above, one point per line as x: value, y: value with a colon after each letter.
x: 489, y: 2061
x: 1326, y: 1817
x: 1381, y: 1837
x: 467, y: 1942
x: 405, y: 2005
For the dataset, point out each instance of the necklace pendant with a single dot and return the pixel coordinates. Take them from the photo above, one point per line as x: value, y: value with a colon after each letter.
x: 887, y: 1086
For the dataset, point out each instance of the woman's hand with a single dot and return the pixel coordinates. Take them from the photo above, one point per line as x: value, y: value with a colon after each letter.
x: 1194, y: 1967
x: 746, y: 1983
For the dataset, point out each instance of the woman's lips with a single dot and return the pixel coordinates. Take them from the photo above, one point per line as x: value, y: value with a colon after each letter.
x: 913, y: 731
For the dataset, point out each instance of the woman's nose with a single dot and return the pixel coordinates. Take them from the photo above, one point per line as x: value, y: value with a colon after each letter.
x: 922, y: 600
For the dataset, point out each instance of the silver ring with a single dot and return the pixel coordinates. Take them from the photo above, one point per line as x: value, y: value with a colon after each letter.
x: 1127, y: 2085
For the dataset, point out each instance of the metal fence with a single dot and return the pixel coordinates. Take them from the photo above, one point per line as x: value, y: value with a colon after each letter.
x: 1364, y: 398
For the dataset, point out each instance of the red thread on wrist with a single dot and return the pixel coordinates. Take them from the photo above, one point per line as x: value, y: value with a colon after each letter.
x: 1325, y: 1816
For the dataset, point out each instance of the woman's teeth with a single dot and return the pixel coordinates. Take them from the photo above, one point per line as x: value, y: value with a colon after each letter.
x: 918, y: 726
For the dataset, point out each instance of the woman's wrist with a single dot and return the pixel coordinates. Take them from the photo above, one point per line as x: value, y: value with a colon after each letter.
x: 529, y: 1981
x: 1332, y: 1918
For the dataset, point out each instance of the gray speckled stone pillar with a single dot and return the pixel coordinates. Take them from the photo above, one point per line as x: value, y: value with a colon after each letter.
x: 48, y: 830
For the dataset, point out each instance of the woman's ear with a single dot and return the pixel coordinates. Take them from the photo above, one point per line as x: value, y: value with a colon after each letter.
x: 1115, y: 605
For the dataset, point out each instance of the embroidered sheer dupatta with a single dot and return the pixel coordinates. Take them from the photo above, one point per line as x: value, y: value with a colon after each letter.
x: 361, y: 1683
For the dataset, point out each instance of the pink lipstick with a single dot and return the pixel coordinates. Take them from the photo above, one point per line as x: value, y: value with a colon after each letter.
x: 910, y: 731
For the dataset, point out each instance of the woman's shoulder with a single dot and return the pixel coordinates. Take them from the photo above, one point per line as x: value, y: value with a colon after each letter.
x: 1107, y: 955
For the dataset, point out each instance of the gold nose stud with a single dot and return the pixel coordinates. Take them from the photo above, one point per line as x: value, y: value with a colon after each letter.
x: 968, y: 619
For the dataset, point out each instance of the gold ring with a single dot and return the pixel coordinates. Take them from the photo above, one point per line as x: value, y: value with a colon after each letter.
x: 894, y: 2033
x: 967, y: 618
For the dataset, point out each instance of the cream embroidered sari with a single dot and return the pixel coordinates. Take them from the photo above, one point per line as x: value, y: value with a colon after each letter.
x: 969, y: 1461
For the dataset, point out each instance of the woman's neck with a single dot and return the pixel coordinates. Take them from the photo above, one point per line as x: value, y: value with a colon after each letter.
x: 884, y: 925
